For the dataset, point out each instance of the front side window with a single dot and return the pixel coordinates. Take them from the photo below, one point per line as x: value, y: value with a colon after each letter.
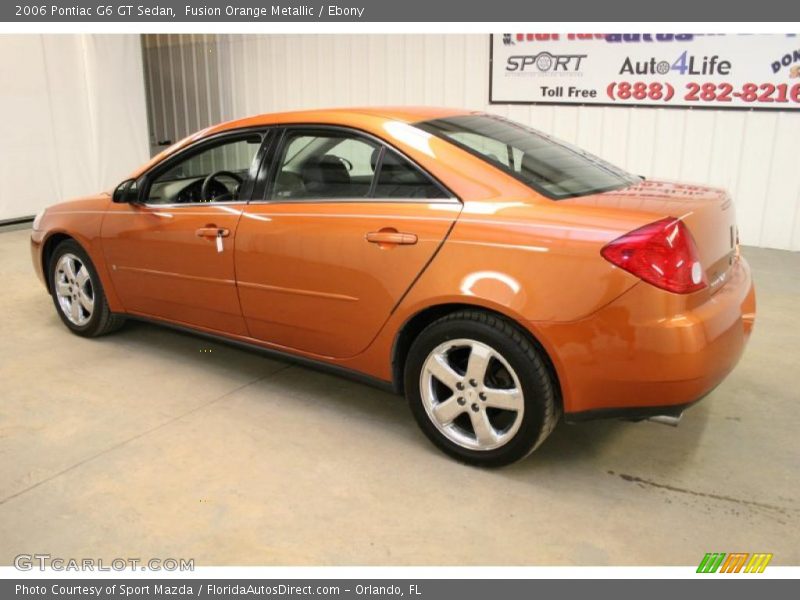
x: 554, y: 168
x: 338, y: 164
x: 214, y: 174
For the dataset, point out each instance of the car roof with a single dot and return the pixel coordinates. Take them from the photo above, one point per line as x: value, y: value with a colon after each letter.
x: 408, y: 114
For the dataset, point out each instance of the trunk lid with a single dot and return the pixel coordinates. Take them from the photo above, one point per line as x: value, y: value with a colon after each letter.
x: 707, y: 212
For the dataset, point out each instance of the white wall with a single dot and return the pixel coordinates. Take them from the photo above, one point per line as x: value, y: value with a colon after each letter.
x: 73, y: 117
x: 194, y: 81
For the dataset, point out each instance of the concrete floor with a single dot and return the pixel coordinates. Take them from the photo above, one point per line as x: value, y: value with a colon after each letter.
x: 152, y: 443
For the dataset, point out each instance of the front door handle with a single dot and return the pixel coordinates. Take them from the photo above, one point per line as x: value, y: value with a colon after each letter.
x: 391, y: 236
x: 212, y: 232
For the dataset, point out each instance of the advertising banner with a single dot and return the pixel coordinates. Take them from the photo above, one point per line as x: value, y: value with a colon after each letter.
x: 642, y: 69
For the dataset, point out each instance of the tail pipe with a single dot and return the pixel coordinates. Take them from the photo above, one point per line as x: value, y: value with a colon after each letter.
x: 671, y: 420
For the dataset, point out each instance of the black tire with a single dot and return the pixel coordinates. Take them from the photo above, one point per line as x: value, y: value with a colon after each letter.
x: 102, y: 320
x: 540, y: 393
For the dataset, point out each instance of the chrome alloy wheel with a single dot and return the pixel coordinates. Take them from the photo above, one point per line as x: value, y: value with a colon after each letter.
x: 471, y: 394
x: 74, y: 289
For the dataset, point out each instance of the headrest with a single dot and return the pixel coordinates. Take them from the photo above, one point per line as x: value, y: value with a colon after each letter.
x: 328, y: 169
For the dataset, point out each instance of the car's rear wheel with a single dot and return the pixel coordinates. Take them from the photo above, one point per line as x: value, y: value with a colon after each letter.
x: 78, y: 294
x: 480, y: 389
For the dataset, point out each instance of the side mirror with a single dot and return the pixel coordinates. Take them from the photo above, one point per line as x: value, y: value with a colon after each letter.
x: 126, y: 192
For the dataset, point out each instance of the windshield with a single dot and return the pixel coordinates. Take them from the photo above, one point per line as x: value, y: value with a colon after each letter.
x: 554, y: 168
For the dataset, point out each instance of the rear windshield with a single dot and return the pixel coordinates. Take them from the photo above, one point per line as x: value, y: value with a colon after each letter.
x: 554, y: 168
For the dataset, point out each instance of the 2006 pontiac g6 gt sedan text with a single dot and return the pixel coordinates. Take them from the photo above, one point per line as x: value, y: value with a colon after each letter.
x: 496, y: 276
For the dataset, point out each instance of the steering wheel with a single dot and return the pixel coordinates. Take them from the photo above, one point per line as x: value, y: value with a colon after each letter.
x: 205, y: 191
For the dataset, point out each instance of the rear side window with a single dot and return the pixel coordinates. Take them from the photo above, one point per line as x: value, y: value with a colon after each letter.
x: 554, y: 168
x: 329, y: 165
x: 324, y: 166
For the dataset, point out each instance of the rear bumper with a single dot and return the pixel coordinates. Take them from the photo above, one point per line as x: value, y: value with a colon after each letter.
x: 651, y: 352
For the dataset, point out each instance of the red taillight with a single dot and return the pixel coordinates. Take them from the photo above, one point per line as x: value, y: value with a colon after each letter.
x: 661, y: 253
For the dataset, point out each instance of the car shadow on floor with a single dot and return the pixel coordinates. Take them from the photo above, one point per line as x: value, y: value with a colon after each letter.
x: 593, y: 445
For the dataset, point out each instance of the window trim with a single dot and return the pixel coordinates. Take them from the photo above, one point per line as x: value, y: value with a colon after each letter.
x: 146, y: 179
x: 376, y: 175
x: 269, y: 167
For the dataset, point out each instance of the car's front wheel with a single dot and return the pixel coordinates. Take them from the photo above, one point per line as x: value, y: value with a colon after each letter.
x: 480, y: 389
x: 78, y: 294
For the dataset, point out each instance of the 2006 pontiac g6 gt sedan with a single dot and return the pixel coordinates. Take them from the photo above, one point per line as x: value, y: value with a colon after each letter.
x: 497, y: 277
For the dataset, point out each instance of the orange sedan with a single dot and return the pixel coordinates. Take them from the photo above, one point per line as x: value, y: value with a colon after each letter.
x: 496, y: 276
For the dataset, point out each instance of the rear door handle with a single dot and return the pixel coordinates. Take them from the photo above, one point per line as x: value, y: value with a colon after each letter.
x: 213, y: 232
x: 391, y: 237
